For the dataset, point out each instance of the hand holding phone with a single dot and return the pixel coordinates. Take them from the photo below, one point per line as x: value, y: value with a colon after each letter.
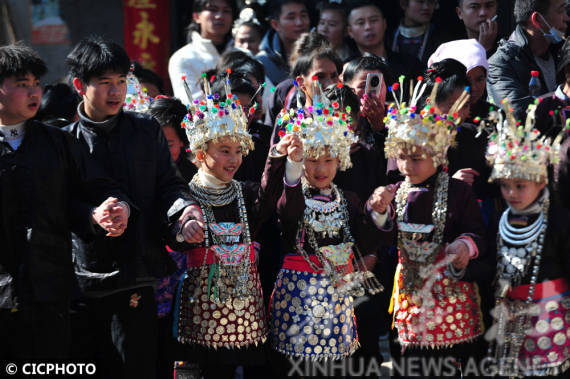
x: 373, y: 102
x: 373, y: 83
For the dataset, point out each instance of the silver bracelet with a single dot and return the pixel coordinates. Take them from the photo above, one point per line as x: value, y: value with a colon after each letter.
x: 179, y: 236
x: 455, y: 273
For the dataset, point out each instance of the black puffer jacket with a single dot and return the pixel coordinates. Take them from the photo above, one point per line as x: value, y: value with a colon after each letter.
x: 509, y: 72
x: 134, y: 153
x: 44, y: 194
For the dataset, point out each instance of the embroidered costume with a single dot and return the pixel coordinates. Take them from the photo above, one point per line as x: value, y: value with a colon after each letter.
x: 532, y: 314
x: 219, y: 302
x: 433, y: 304
x: 225, y: 306
x: 312, y: 313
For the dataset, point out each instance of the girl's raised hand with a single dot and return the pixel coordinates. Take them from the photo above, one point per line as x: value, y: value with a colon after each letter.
x: 295, y: 149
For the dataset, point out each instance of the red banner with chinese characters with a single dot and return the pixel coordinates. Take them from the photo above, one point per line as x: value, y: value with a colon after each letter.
x: 147, y: 34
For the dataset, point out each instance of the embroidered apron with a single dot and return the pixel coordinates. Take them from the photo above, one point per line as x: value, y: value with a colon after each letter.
x: 309, y: 317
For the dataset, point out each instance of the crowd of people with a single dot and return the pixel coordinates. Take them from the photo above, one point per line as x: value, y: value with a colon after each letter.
x: 302, y: 196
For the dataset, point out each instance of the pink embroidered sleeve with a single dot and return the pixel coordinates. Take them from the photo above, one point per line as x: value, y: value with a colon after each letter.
x: 471, y: 245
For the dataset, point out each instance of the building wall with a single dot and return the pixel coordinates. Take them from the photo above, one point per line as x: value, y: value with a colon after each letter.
x: 83, y: 18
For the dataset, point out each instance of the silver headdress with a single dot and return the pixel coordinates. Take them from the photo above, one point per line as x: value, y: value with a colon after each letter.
x: 518, y: 151
x: 210, y: 119
x: 323, y: 127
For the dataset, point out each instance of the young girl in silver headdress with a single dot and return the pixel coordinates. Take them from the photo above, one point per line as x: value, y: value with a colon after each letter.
x: 532, y: 314
x: 324, y: 230
x: 219, y: 306
x: 436, y: 223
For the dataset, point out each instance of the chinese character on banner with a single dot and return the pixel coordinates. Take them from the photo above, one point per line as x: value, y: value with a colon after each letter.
x: 48, y: 28
x: 144, y: 32
x: 147, y: 33
x: 142, y: 4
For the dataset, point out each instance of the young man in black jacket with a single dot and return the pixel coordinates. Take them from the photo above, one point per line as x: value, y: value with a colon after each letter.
x: 43, y: 196
x: 117, y: 277
x: 367, y: 26
x: 288, y: 19
x: 531, y: 47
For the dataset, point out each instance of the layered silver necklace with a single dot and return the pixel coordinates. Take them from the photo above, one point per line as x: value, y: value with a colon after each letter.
x: 329, y: 219
x: 422, y: 254
x: 212, y: 196
x: 326, y: 218
x: 518, y: 247
x: 231, y: 281
x: 525, y: 247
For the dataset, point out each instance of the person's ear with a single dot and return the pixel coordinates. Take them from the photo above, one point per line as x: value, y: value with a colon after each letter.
x: 274, y: 24
x: 79, y: 86
x: 537, y: 21
x: 541, y: 186
x: 349, y: 30
x: 459, y: 13
x: 196, y: 17
x: 200, y: 156
x: 404, y: 4
x: 301, y: 83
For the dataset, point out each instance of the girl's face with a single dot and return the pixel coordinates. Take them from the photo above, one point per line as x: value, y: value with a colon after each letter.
x: 332, y: 26
x: 321, y: 172
x: 414, y: 166
x: 520, y: 193
x: 215, y: 20
x: 222, y: 159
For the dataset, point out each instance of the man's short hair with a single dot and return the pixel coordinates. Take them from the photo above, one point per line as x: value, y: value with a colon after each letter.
x: 276, y: 6
x: 326, y: 5
x: 58, y: 105
x: 198, y: 6
x: 19, y: 59
x: 524, y: 8
x: 95, y: 56
x: 365, y: 3
x: 460, y: 2
x: 304, y: 63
